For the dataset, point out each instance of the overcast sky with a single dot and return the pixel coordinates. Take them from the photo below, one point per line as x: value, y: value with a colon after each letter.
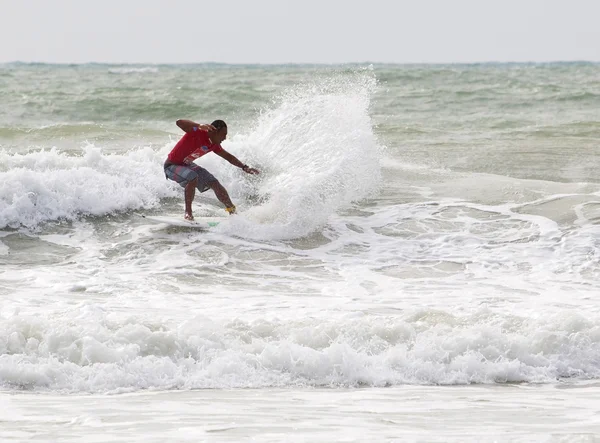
x: 298, y: 31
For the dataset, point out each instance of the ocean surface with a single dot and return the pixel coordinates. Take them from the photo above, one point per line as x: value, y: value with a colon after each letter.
x: 419, y: 259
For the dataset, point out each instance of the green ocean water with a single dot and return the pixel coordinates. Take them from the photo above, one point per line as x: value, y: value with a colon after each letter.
x: 524, y: 120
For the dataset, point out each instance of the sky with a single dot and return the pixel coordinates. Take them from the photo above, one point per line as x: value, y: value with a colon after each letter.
x: 299, y: 31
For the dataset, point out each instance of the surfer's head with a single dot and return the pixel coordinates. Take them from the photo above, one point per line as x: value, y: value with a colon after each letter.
x: 220, y: 132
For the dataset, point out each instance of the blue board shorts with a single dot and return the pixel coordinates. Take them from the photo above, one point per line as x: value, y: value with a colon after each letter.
x: 183, y: 174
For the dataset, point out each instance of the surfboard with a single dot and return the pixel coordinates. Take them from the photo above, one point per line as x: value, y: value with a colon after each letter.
x: 197, y: 223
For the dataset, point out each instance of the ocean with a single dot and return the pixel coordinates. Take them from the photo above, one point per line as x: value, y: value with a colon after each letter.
x: 418, y: 261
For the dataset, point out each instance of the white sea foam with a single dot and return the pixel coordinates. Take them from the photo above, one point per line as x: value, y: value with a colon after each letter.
x: 91, y: 351
x: 49, y: 185
x: 318, y: 154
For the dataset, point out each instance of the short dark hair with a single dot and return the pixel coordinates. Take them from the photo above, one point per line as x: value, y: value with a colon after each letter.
x: 219, y: 124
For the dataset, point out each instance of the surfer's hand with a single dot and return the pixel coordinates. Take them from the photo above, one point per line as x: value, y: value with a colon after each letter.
x: 248, y: 170
x: 206, y: 127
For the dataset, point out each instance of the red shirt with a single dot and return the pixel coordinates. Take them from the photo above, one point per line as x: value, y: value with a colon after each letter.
x: 192, y: 145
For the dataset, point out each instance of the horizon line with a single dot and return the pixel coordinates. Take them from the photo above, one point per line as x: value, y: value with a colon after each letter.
x: 241, y: 64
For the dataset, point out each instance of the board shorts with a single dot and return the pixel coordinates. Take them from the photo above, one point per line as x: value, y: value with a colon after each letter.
x: 183, y: 174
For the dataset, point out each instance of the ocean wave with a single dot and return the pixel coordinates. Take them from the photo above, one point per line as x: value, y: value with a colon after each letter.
x: 91, y: 351
x: 48, y: 185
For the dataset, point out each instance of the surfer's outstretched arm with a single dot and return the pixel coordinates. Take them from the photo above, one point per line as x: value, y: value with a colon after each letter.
x: 236, y: 162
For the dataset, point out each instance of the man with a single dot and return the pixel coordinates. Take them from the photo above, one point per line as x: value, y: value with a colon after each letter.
x: 180, y: 167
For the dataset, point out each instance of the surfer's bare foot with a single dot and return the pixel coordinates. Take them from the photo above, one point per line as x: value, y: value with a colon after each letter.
x: 188, y: 216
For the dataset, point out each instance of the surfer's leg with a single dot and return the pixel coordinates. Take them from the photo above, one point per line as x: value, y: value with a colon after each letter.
x: 190, y: 191
x: 208, y: 181
x: 221, y: 193
x: 187, y: 178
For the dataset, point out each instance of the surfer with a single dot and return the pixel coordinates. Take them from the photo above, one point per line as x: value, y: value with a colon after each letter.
x: 180, y: 167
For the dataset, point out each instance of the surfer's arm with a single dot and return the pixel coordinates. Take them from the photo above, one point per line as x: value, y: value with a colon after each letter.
x: 236, y: 162
x: 189, y: 126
